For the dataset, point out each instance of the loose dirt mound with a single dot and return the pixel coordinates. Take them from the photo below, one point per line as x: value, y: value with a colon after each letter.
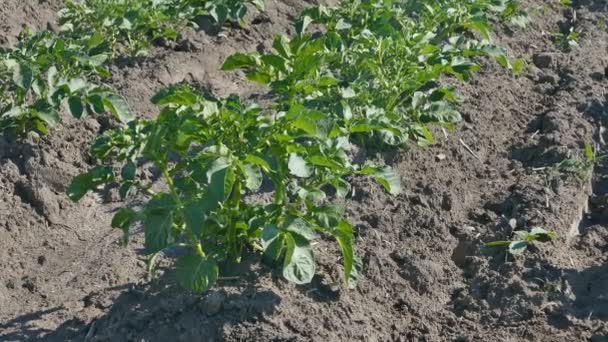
x: 64, y: 276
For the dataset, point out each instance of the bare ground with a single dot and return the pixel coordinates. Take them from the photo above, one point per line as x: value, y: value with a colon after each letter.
x: 64, y: 276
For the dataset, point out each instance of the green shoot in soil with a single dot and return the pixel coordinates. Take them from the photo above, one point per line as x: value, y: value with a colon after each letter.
x: 523, y: 240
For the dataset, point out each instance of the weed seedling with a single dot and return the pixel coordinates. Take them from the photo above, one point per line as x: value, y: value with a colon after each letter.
x: 523, y: 239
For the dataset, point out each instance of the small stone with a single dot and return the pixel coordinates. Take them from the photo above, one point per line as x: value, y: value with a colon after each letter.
x: 212, y: 304
x: 447, y: 202
x: 542, y: 60
x: 440, y: 157
x: 548, y: 77
x: 41, y: 260
x: 112, y: 195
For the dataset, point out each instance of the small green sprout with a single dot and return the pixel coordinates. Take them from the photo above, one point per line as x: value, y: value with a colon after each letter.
x: 523, y: 240
x: 583, y: 167
x: 567, y: 41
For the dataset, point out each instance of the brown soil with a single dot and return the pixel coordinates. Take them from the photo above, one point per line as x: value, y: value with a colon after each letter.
x: 64, y: 275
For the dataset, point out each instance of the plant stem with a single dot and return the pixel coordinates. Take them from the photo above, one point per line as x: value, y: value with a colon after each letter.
x: 196, y: 244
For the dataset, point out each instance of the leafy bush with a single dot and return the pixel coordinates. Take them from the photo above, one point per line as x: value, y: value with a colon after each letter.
x: 383, y: 61
x: 368, y: 71
x: 523, y: 240
x: 214, y: 155
x: 129, y: 26
x: 44, y: 74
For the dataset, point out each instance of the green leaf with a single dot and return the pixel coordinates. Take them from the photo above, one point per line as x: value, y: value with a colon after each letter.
x: 196, y: 213
x: 119, y: 107
x: 386, y: 176
x: 158, y: 220
x: 298, y: 226
x: 179, y: 95
x: 221, y: 180
x: 96, y: 101
x: 329, y: 217
x: 498, y: 243
x: 517, y: 247
x: 538, y: 232
x: 299, y: 264
x: 23, y: 75
x: 95, y: 40
x: 81, y: 184
x: 298, y: 166
x: 259, y: 77
x: 196, y: 273
x: 50, y: 117
x: 259, y: 5
x: 276, y: 62
x: 589, y: 154
x: 518, y: 65
x: 272, y: 242
x: 128, y: 171
x: 344, y: 235
x: 302, y: 24
x: 239, y: 61
x: 258, y: 161
x: 254, y: 177
x: 122, y: 220
x: 76, y: 107
x: 281, y: 45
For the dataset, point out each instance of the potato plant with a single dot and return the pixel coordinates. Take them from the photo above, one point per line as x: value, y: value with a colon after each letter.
x: 44, y: 74
x: 523, y: 239
x: 129, y: 26
x: 215, y: 155
x: 383, y: 61
x: 367, y: 71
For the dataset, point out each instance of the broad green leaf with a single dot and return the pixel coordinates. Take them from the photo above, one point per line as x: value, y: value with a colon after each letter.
x: 386, y: 176
x: 221, y: 180
x: 158, y: 220
x: 81, y: 184
x: 196, y: 212
x: 299, y: 226
x: 179, y: 95
x: 272, y: 243
x: 302, y: 24
x: 23, y: 75
x: 281, y: 45
x: 258, y: 161
x: 538, y: 232
x: 119, y: 107
x: 76, y: 107
x: 122, y: 220
x: 276, y: 62
x: 128, y: 171
x: 329, y: 217
x: 259, y: 77
x: 196, y: 273
x: 517, y: 247
x: 298, y: 166
x: 344, y: 235
x: 299, y: 264
x: 95, y: 40
x: 50, y: 117
x: 239, y: 61
x: 254, y: 177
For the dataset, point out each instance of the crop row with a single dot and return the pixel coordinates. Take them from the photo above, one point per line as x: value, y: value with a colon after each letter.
x: 366, y: 72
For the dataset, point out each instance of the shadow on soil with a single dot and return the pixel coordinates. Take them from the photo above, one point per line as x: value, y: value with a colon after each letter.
x: 583, y: 295
x: 158, y: 311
